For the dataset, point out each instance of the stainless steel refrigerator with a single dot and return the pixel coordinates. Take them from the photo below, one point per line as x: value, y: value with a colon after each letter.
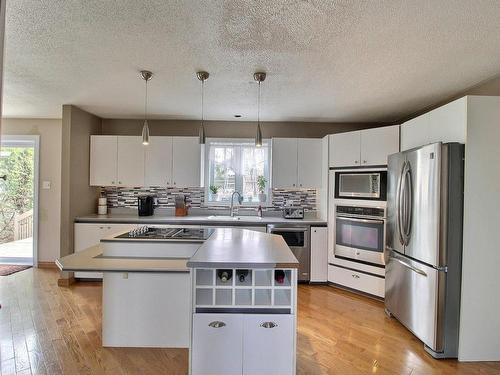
x: 423, y: 252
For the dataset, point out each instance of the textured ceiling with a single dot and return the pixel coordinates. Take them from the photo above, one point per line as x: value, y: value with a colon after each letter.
x: 326, y: 60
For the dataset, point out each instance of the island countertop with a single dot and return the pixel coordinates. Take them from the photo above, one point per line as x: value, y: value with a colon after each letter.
x: 225, y: 248
x: 241, y: 248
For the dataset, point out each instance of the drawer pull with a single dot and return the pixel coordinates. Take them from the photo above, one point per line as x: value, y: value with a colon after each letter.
x: 268, y: 325
x: 355, y: 276
x: 217, y: 324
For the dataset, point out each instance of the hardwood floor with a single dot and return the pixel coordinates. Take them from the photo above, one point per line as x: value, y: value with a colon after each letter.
x: 45, y: 329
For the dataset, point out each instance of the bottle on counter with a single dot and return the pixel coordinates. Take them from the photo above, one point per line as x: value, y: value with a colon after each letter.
x: 224, y: 275
x: 241, y: 275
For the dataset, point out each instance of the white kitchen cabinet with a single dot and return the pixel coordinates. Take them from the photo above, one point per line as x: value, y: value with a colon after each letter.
x: 371, y: 284
x: 447, y: 123
x: 377, y: 144
x: 268, y: 344
x: 365, y: 148
x: 284, y: 169
x: 319, y: 254
x: 217, y: 346
x: 158, y: 162
x: 309, y: 154
x: 130, y: 165
x: 345, y: 149
x: 296, y: 163
x: 245, y: 344
x: 90, y: 234
x: 186, y: 156
x: 103, y: 160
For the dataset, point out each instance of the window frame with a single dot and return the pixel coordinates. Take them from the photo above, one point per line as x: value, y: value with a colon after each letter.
x: 206, y: 173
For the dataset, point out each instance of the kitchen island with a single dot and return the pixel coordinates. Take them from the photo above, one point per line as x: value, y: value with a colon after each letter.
x: 161, y: 292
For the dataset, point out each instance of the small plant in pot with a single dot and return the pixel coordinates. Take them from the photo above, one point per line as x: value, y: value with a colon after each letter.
x: 214, y: 190
x: 261, y: 185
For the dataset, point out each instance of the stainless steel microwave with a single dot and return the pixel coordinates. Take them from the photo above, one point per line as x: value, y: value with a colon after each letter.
x: 371, y: 185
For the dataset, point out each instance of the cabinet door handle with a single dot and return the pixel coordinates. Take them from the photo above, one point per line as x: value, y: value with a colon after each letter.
x: 364, y: 161
x: 217, y: 324
x: 355, y: 161
x: 355, y: 276
x: 112, y: 182
x: 268, y: 325
x: 101, y: 227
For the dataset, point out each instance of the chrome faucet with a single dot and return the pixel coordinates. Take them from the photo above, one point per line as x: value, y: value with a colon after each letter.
x: 240, y: 199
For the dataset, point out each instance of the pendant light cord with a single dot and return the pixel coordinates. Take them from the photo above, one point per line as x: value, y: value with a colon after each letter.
x: 146, y: 102
x: 258, y: 107
x: 202, y: 99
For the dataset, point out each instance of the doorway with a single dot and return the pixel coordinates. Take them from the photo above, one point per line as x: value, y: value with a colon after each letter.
x: 19, y: 199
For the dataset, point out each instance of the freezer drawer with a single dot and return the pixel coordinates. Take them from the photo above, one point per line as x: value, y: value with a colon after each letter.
x: 414, y: 294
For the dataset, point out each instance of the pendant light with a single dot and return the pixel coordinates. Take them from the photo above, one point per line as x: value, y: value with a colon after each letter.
x: 146, y: 76
x: 202, y: 76
x: 259, y: 77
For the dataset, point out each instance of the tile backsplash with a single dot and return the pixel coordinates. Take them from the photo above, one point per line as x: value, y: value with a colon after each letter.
x: 127, y: 197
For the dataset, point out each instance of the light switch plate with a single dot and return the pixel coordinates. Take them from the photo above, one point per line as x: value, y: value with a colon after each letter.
x: 46, y: 185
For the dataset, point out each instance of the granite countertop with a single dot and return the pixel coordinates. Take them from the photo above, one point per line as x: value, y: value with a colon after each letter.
x: 226, y: 247
x: 241, y: 248
x: 207, y: 220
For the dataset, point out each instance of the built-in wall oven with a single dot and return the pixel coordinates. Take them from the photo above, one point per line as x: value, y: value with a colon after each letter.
x: 360, y: 233
x: 297, y: 238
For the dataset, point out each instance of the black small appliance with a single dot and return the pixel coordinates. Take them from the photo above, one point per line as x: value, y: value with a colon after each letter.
x: 145, y: 205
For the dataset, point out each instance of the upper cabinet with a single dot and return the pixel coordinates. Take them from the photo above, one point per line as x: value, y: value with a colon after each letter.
x: 363, y: 148
x: 186, y: 160
x: 296, y: 163
x: 125, y: 161
x: 444, y: 124
x: 158, y: 171
x: 130, y: 161
x: 103, y: 160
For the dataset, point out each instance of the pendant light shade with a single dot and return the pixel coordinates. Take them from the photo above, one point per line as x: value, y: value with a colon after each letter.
x: 259, y: 77
x: 202, y: 76
x: 146, y: 76
x: 145, y: 133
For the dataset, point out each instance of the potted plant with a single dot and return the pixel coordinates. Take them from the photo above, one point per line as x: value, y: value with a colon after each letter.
x: 261, y: 185
x: 214, y: 190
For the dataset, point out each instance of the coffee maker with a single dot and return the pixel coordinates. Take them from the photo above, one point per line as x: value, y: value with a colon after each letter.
x: 145, y: 205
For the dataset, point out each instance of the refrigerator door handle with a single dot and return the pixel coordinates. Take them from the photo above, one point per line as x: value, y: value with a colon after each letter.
x: 408, y: 203
x: 399, y: 201
x: 409, y: 266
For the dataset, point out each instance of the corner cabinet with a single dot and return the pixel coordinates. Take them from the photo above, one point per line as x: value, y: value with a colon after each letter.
x: 125, y: 161
x: 363, y: 148
x: 296, y: 163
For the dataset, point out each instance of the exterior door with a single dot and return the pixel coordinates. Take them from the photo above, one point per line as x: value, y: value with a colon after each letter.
x: 422, y: 187
x: 394, y: 170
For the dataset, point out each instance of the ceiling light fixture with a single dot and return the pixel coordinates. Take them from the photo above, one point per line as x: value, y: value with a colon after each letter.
x: 146, y: 76
x: 259, y: 77
x: 202, y: 76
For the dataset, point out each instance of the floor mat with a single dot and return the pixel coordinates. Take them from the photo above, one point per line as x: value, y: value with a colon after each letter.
x: 6, y: 270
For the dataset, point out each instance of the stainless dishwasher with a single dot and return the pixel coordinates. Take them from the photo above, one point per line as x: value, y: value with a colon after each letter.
x: 297, y: 237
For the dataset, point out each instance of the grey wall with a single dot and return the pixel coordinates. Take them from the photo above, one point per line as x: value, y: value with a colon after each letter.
x: 77, y: 197
x: 230, y: 129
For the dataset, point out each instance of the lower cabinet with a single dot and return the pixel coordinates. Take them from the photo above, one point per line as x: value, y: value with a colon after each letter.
x: 245, y: 344
x: 90, y: 234
x: 361, y: 281
x: 319, y: 254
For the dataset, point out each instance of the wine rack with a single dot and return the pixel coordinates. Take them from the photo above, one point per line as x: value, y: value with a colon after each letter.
x: 257, y: 289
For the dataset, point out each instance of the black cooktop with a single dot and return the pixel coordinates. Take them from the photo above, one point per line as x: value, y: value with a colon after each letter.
x: 156, y: 233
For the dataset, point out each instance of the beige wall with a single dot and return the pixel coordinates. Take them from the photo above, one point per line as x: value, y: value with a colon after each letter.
x: 50, y: 170
x: 230, y: 129
x: 77, y: 197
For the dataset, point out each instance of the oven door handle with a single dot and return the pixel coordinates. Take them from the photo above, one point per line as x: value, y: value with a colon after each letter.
x: 360, y: 220
x: 277, y: 230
